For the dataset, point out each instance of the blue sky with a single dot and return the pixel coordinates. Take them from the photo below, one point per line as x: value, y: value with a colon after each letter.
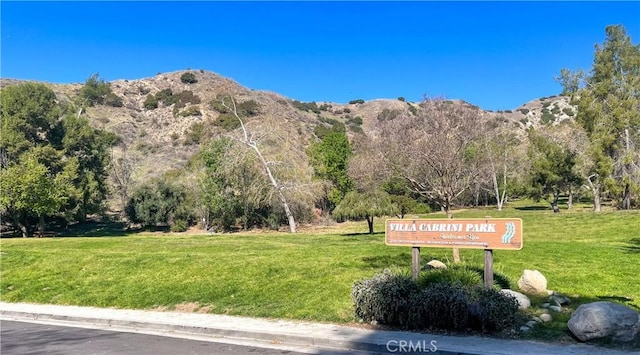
x: 497, y: 55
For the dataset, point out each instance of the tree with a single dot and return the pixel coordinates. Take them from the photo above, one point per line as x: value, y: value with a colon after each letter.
x: 155, y: 203
x: 29, y: 193
x: 29, y: 115
x: 329, y: 157
x: 121, y: 176
x: 95, y: 90
x: 72, y: 154
x: 365, y: 205
x: 570, y: 81
x: 436, y: 151
x: 501, y: 157
x: 609, y: 111
x: 233, y: 184
x: 553, y: 168
x: 248, y: 140
x: 90, y: 147
x: 188, y: 78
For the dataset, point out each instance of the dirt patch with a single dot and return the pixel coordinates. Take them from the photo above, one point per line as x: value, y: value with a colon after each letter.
x: 188, y: 307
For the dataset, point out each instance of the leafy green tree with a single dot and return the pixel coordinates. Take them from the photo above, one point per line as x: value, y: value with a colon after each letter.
x: 365, y: 205
x: 90, y: 147
x: 73, y: 154
x: 29, y: 113
x: 188, y: 78
x: 95, y: 90
x: 235, y: 189
x: 329, y: 158
x: 29, y: 193
x: 553, y: 169
x: 608, y: 111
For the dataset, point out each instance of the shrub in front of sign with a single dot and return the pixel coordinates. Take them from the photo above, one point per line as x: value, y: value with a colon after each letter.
x: 453, y: 274
x: 385, y: 298
x: 453, y: 299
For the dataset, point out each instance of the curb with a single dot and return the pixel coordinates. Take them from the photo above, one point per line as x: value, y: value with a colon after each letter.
x: 325, y: 338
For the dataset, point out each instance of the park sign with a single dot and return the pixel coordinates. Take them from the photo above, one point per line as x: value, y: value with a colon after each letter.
x: 475, y: 233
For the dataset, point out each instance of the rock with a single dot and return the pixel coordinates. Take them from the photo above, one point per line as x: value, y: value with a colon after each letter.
x: 531, y: 323
x: 523, y: 300
x: 532, y: 282
x: 434, y: 264
x: 546, y: 317
x: 555, y: 308
x: 546, y: 305
x: 537, y: 319
x: 524, y: 328
x: 605, y: 320
x: 560, y: 300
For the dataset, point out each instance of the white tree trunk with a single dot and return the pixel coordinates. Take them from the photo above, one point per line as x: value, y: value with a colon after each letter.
x: 253, y: 145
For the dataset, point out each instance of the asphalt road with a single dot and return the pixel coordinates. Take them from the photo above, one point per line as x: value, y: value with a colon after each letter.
x: 21, y: 338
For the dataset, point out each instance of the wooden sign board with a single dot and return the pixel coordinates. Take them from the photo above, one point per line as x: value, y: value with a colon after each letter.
x: 475, y: 233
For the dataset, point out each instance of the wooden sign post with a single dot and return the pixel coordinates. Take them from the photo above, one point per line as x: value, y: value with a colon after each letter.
x: 475, y: 233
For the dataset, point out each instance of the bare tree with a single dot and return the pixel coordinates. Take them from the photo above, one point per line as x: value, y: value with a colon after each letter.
x: 250, y: 141
x: 436, y: 150
x: 502, y: 153
x: 121, y: 171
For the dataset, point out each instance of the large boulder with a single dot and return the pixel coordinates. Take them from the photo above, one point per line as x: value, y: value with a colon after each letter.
x: 523, y: 301
x: 532, y: 282
x: 605, y: 320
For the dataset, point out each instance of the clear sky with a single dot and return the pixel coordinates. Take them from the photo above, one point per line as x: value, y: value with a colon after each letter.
x: 497, y: 55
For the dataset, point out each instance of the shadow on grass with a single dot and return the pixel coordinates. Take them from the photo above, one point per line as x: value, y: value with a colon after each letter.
x: 363, y: 234
x: 533, y: 208
x: 633, y: 247
x: 95, y: 229
x: 385, y: 261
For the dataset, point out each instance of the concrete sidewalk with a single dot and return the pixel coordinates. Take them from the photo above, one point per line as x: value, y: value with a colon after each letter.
x: 321, y: 338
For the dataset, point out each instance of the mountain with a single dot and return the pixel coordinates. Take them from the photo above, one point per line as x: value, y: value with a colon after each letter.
x: 165, y: 138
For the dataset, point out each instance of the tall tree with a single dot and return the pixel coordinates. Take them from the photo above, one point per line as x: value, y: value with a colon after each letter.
x: 90, y: 146
x: 329, y: 157
x: 609, y: 111
x: 553, y: 168
x: 501, y: 158
x: 249, y: 140
x: 436, y: 150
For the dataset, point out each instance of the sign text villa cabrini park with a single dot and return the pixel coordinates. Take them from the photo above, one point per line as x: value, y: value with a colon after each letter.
x: 476, y: 233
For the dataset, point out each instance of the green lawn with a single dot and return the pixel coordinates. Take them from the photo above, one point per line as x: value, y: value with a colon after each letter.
x: 307, y: 275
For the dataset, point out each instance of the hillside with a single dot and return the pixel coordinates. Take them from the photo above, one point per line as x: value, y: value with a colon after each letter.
x: 165, y: 138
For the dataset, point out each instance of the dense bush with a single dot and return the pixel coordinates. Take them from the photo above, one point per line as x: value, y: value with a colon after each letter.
x: 188, y: 78
x: 248, y: 108
x: 387, y: 114
x: 401, y: 99
x: 358, y: 101
x: 190, y: 111
x: 113, y: 100
x: 306, y: 106
x: 547, y: 116
x: 227, y: 121
x: 393, y: 298
x: 385, y: 298
x: 568, y: 111
x: 165, y: 96
x: 151, y: 102
x: 524, y: 111
x: 197, y: 133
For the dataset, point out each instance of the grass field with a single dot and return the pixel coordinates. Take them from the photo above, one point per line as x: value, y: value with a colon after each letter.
x: 307, y: 275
